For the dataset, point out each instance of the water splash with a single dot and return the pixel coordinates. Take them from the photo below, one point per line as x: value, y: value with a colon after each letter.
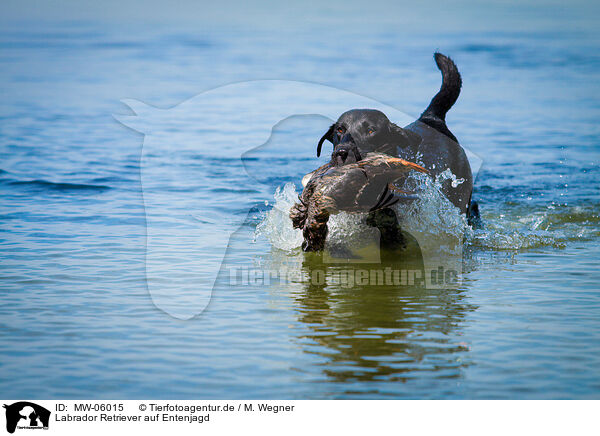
x: 276, y: 226
x: 436, y: 221
x: 432, y: 218
x: 431, y: 215
x: 528, y: 227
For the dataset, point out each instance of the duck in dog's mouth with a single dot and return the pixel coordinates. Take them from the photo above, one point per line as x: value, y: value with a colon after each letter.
x: 349, y: 182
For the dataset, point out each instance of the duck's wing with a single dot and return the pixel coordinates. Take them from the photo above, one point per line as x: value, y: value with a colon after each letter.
x: 382, y: 171
x: 341, y: 186
x: 366, y: 185
x: 316, y: 173
x: 391, y: 195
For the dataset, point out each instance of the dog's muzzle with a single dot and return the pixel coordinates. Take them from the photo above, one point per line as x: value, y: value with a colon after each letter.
x: 346, y: 152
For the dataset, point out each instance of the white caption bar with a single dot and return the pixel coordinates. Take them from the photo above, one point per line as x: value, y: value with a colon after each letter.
x: 195, y: 417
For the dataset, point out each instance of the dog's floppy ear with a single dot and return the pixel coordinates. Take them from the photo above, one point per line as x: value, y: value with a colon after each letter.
x: 327, y: 136
x: 406, y: 137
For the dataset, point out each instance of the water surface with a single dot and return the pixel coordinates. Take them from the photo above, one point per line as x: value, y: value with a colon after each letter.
x: 76, y: 318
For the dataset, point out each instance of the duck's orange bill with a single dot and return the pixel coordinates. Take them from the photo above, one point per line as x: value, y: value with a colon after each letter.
x: 406, y: 163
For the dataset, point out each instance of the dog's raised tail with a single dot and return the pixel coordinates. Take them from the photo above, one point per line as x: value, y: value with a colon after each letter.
x: 448, y: 94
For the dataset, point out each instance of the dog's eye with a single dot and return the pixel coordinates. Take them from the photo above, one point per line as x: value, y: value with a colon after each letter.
x: 340, y: 130
x: 370, y: 131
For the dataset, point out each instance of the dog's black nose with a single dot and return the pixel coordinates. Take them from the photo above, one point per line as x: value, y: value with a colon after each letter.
x: 342, y: 154
x: 345, y: 154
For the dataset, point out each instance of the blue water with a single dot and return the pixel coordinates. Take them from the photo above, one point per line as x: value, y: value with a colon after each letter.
x: 76, y: 316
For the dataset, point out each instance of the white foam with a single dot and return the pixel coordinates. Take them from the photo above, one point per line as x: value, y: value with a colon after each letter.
x: 276, y: 226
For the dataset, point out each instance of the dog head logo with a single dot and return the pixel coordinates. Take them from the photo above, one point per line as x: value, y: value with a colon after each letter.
x: 26, y: 415
x: 185, y: 195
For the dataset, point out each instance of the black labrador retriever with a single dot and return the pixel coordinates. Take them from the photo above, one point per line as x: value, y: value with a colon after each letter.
x: 427, y: 141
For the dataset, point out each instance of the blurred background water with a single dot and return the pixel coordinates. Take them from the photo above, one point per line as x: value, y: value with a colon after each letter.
x: 76, y: 318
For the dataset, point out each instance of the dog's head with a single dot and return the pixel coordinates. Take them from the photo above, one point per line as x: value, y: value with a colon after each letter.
x: 370, y: 130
